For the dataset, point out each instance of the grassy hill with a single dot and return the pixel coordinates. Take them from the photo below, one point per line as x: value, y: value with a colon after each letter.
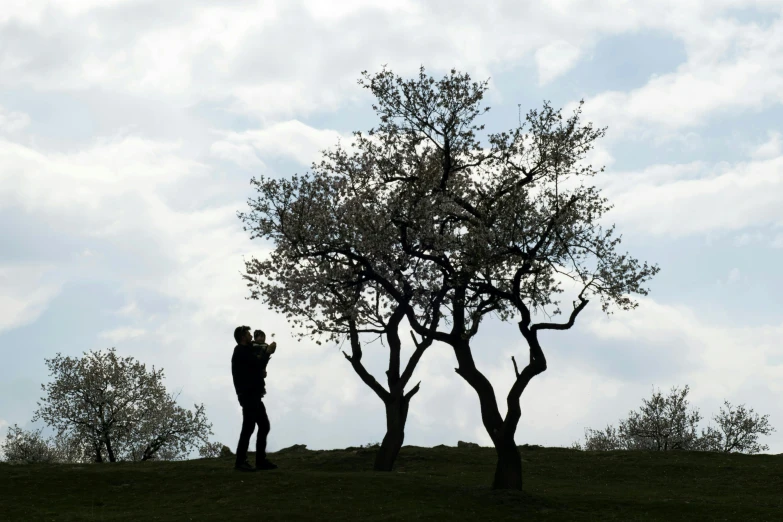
x: 428, y: 484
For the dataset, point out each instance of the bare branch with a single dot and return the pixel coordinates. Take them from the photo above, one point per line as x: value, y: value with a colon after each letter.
x: 413, y: 391
x: 562, y: 326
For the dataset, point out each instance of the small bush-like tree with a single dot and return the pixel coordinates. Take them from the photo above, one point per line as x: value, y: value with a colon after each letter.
x: 118, y: 409
x: 30, y: 446
x: 597, y: 440
x: 665, y: 423
x: 26, y: 447
x: 214, y: 450
x: 737, y: 432
x: 662, y: 423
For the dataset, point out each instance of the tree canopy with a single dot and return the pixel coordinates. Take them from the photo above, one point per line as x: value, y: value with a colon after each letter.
x: 430, y: 222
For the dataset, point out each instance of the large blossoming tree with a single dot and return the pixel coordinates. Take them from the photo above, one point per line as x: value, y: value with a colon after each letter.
x: 489, y: 230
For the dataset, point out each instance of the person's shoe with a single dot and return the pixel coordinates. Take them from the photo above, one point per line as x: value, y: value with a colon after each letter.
x: 265, y: 464
x: 245, y: 466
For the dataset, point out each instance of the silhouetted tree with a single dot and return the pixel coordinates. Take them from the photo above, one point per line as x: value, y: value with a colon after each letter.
x: 597, y: 440
x: 26, y: 447
x: 30, y: 446
x: 666, y: 423
x: 483, y: 230
x: 737, y: 432
x: 118, y: 409
x: 662, y: 423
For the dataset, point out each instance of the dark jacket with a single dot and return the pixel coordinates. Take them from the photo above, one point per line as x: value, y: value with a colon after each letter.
x: 248, y: 365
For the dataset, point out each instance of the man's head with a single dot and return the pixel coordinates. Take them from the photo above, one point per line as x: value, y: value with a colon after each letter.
x: 242, y: 335
x: 259, y: 336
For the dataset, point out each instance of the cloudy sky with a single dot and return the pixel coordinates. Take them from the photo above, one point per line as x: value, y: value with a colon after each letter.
x: 129, y: 131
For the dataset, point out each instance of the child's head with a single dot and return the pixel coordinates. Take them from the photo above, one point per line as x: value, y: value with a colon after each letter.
x: 259, y: 336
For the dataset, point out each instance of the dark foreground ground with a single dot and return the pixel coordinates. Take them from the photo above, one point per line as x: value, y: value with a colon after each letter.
x: 428, y: 484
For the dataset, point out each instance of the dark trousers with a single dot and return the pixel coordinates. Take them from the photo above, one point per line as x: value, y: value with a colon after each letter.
x: 253, y: 412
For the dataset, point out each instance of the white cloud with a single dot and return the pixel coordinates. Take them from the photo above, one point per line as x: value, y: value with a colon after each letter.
x: 599, y: 156
x: 113, y: 190
x: 129, y: 309
x: 117, y: 335
x: 331, y: 11
x: 252, y: 53
x: 680, y: 200
x: 555, y: 59
x: 771, y: 148
x: 90, y: 179
x: 111, y: 196
x: 749, y: 238
x: 12, y: 121
x: 242, y: 154
x: 720, y: 358
x: 291, y: 139
x: 731, y: 66
x: 733, y: 276
x: 25, y: 293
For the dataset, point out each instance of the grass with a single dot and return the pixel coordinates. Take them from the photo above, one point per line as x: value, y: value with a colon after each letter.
x: 427, y: 484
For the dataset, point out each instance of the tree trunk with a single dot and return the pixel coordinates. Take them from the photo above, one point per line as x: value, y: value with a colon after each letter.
x: 396, y: 415
x: 110, y: 451
x: 152, y: 449
x: 508, y: 470
x: 98, y: 456
x: 396, y: 399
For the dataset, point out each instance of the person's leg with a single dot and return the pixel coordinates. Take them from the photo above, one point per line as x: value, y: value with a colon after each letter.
x: 263, y: 430
x: 249, y: 416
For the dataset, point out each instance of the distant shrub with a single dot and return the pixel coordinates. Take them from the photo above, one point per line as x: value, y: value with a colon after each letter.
x: 27, y: 447
x: 665, y: 423
x: 738, y: 431
x: 214, y: 450
x: 225, y: 451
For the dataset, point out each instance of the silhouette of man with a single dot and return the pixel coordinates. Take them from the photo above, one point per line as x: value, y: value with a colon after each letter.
x: 248, y: 369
